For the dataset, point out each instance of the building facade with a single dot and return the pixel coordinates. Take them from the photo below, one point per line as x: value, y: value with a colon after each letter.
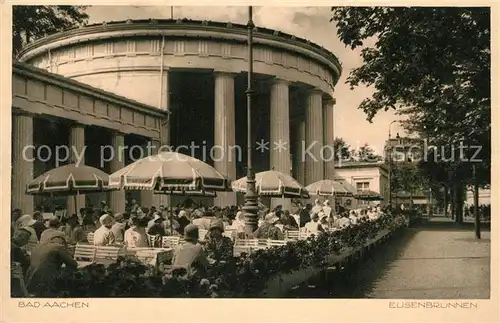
x: 405, y: 149
x: 365, y: 176
x: 179, y: 84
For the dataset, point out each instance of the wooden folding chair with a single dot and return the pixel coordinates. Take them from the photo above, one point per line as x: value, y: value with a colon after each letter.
x: 106, y: 254
x: 170, y: 242
x: 292, y: 235
x: 152, y: 240
x: 90, y: 237
x: 231, y: 234
x: 275, y: 243
x: 245, y: 245
x: 84, y: 254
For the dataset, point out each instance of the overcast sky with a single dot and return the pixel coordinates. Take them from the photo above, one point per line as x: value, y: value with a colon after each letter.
x: 307, y: 22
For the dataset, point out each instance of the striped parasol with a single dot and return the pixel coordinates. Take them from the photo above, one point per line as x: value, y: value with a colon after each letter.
x: 69, y: 180
x: 369, y: 196
x: 328, y: 187
x: 170, y: 173
x: 273, y: 184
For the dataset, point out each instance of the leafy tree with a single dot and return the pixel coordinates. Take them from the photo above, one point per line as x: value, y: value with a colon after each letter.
x: 367, y: 154
x: 430, y: 64
x: 406, y: 177
x: 342, y: 150
x: 30, y: 23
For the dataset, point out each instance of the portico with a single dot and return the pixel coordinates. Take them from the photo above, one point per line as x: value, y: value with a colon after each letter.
x: 188, y: 92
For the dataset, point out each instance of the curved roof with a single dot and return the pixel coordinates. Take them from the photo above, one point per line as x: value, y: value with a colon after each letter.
x: 179, y: 24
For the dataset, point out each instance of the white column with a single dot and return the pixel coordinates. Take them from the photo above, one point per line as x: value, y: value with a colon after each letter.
x: 117, y: 198
x: 22, y: 161
x: 329, y: 132
x: 225, y: 154
x: 314, y: 138
x: 280, y: 134
x: 299, y: 161
x: 76, y: 143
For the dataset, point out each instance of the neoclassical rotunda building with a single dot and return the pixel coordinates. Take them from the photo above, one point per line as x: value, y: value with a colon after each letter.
x: 179, y: 83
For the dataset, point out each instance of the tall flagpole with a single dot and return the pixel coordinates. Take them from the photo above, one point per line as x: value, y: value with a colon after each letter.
x: 250, y: 208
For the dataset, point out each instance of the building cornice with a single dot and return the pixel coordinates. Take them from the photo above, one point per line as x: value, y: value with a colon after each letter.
x: 183, y: 28
x: 346, y: 165
x: 31, y: 72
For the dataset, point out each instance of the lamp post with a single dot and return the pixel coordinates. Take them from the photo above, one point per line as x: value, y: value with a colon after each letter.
x: 389, y: 156
x: 250, y: 208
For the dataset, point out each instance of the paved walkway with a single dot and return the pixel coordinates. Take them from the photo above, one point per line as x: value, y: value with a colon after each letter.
x: 436, y: 260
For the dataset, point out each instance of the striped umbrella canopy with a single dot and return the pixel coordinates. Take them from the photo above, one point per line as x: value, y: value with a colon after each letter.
x: 69, y: 180
x: 170, y: 173
x: 369, y: 196
x: 328, y: 187
x: 273, y: 184
x: 188, y: 193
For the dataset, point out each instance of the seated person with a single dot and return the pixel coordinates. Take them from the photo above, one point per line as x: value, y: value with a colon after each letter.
x: 46, y: 262
x: 156, y: 226
x: 288, y: 221
x: 135, y: 236
x: 268, y: 229
x: 104, y: 236
x: 190, y: 254
x: 54, y: 225
x: 73, y: 230
x: 217, y: 246
x: 314, y: 226
x: 344, y: 221
x: 20, y: 262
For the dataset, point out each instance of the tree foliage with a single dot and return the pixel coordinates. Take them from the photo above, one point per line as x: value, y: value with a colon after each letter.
x: 30, y: 23
x: 342, y: 149
x: 366, y: 153
x: 431, y: 64
x: 406, y: 177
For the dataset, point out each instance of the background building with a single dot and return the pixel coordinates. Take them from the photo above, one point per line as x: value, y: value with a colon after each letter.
x: 365, y: 176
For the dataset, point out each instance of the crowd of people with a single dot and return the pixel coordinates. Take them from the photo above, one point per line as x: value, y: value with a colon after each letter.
x: 484, y: 211
x: 49, y: 238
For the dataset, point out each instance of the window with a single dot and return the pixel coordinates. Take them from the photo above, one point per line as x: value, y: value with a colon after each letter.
x: 363, y: 186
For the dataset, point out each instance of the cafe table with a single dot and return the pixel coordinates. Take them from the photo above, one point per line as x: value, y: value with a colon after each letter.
x: 156, y: 257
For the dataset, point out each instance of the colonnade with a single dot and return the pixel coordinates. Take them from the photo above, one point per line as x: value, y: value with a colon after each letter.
x: 316, y: 129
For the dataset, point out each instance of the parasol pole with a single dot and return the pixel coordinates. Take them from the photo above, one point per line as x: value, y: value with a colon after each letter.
x: 74, y: 201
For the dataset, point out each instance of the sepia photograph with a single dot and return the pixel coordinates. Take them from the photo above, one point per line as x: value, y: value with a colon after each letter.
x: 251, y: 152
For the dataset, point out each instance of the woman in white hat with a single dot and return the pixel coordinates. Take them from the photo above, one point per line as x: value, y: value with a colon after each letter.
x: 104, y: 236
x: 317, y: 207
x: 26, y: 222
x: 239, y: 223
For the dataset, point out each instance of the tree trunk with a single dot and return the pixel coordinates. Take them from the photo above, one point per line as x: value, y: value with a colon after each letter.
x: 445, y: 207
x: 477, y: 221
x: 459, y: 201
x: 453, y: 199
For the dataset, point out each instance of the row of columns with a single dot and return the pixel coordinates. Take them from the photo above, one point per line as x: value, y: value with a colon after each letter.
x: 23, y: 165
x: 316, y: 128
